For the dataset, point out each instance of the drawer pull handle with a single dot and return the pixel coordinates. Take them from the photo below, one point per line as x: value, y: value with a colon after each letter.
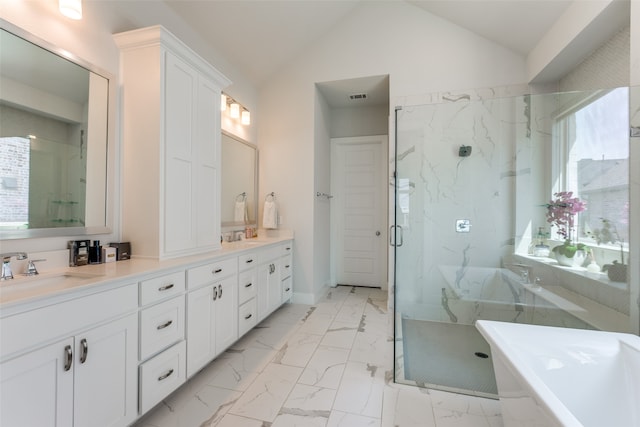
x: 248, y: 316
x: 215, y: 293
x: 249, y: 261
x: 165, y: 376
x: 219, y: 291
x: 165, y: 325
x: 288, y: 248
x: 68, y: 357
x: 287, y: 290
x: 248, y: 285
x: 287, y: 266
x: 84, y: 350
x: 165, y: 287
x: 216, y: 271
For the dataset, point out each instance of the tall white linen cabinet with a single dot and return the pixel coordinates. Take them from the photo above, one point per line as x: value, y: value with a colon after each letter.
x: 170, y: 145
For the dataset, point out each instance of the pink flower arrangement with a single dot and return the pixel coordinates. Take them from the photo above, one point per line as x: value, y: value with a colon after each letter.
x: 561, y: 212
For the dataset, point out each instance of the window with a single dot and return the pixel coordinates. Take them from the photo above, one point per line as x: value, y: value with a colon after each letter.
x: 592, y: 159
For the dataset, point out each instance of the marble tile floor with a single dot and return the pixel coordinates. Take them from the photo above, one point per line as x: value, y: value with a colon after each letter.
x: 326, y: 365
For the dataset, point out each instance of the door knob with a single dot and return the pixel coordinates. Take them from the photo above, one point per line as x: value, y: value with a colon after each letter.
x: 377, y: 233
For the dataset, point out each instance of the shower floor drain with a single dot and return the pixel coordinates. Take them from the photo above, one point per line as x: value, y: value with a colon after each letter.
x: 481, y: 355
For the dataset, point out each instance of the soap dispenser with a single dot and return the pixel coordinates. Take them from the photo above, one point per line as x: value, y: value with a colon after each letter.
x: 95, y: 253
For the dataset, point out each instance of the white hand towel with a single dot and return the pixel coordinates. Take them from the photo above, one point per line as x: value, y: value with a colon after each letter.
x: 240, y: 211
x: 270, y: 215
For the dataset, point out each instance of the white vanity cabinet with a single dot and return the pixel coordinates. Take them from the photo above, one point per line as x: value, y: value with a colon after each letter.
x: 84, y: 377
x: 286, y: 268
x: 212, y: 311
x: 162, y: 348
x: 171, y: 145
x: 247, y: 292
x: 269, y: 284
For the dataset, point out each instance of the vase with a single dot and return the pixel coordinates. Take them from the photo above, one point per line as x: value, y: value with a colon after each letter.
x: 576, y: 261
x: 617, y: 273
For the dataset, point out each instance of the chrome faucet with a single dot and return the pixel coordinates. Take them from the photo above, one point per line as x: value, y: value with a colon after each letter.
x: 7, y: 274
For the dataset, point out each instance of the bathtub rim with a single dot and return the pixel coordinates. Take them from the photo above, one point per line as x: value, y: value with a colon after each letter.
x: 545, y: 398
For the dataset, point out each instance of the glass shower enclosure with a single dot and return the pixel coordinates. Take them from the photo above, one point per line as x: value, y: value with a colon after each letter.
x: 477, y: 179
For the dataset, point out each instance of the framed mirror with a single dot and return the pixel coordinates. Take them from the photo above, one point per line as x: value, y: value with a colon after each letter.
x: 238, y: 203
x: 54, y: 115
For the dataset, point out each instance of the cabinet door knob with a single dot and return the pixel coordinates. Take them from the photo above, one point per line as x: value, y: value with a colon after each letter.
x: 165, y: 287
x: 84, y: 350
x: 165, y: 325
x: 165, y: 376
x: 68, y: 357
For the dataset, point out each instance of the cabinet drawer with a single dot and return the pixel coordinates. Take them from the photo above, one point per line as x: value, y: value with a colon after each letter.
x: 287, y: 289
x: 163, y: 287
x: 203, y: 275
x: 286, y: 249
x: 247, y: 261
x: 286, y: 264
x: 162, y: 375
x: 247, y: 316
x: 269, y: 254
x: 161, y: 325
x: 247, y: 285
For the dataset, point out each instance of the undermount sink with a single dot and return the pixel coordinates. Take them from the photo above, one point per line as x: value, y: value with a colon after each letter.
x: 64, y: 277
x: 239, y: 244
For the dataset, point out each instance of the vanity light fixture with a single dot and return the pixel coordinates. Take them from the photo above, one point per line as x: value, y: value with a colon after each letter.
x: 71, y: 8
x: 246, y: 117
x: 235, y: 110
x: 223, y: 102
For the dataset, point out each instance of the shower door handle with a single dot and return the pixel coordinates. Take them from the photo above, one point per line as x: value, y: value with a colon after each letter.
x: 392, y: 235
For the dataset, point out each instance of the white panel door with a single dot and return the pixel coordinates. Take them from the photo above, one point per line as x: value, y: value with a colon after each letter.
x: 36, y: 389
x: 358, y: 210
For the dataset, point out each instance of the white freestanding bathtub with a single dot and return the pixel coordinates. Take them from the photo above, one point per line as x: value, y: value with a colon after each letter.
x: 549, y: 376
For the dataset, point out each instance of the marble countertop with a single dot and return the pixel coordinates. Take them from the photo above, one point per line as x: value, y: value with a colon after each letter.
x: 56, y: 285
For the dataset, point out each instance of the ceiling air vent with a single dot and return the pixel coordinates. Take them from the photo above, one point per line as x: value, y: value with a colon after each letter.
x: 357, y: 96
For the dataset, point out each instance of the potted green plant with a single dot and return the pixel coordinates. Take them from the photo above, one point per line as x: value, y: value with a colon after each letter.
x: 617, y: 271
x: 561, y: 212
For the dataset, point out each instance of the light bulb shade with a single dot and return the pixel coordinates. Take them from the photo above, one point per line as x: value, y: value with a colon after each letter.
x: 235, y: 110
x: 71, y: 8
x: 246, y: 117
x: 223, y: 102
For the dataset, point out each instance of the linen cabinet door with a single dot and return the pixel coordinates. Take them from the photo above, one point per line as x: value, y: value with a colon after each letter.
x: 180, y: 171
x: 37, y: 388
x: 106, y: 381
x: 207, y: 145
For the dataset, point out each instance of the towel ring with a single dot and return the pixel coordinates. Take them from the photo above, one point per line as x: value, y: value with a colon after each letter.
x: 272, y: 195
x: 241, y: 197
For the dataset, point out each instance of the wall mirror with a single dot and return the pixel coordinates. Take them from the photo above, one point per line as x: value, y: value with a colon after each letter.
x: 53, y: 140
x: 238, y: 204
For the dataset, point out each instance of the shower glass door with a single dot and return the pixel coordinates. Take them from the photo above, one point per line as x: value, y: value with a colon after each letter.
x: 474, y: 175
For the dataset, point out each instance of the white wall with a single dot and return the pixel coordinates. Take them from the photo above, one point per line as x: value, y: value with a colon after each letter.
x: 420, y: 52
x: 359, y: 121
